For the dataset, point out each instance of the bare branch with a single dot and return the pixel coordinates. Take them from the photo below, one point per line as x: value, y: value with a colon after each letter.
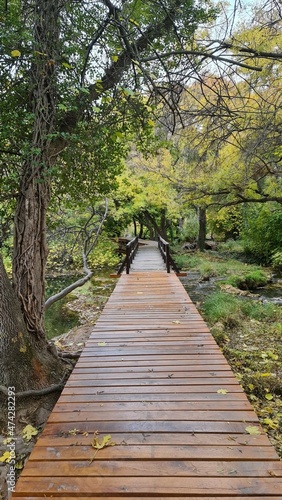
x: 88, y: 246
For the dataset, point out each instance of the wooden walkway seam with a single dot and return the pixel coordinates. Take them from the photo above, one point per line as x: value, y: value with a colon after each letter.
x: 152, y: 377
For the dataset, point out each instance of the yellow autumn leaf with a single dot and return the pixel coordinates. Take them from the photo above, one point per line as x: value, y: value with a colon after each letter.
x: 106, y: 441
x: 151, y: 123
x: 270, y: 423
x: 102, y: 344
x: 134, y: 22
x: 222, y: 391
x: 19, y: 465
x: 28, y: 432
x: 252, y: 430
x: 176, y: 322
x: 5, y: 457
x: 8, y: 440
x: 15, y: 53
x: 114, y: 58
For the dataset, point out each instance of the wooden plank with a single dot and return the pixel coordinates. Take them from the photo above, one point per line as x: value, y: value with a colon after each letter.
x: 204, y: 381
x: 153, y: 406
x: 157, y: 452
x: 159, y: 415
x: 152, y: 468
x: 200, y: 440
x: 149, y: 374
x: 208, y: 487
x: 223, y: 427
x: 148, y: 497
x: 145, y: 389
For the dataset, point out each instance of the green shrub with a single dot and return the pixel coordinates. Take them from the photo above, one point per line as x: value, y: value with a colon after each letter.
x: 262, y: 235
x: 249, y: 281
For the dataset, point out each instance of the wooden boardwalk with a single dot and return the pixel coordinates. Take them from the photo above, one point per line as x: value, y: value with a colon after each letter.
x: 152, y: 377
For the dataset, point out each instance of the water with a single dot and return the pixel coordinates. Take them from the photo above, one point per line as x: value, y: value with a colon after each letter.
x: 59, y: 318
x: 198, y: 290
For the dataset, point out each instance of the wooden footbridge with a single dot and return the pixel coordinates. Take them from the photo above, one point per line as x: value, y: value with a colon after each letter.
x: 152, y: 382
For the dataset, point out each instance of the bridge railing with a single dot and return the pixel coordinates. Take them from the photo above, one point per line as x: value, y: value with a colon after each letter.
x: 131, y: 249
x: 166, y: 255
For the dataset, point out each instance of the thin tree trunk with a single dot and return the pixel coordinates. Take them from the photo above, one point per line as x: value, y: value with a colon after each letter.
x: 202, y: 228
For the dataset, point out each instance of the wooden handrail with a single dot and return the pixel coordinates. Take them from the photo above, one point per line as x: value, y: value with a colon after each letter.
x: 165, y: 253
x: 164, y: 249
x: 131, y: 249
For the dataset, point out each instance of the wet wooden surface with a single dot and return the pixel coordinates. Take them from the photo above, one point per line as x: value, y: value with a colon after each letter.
x: 152, y: 377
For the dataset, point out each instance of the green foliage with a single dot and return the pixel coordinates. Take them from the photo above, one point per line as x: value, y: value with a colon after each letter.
x: 226, y: 223
x: 69, y: 231
x: 104, y: 255
x: 263, y: 233
x: 190, y: 226
x: 277, y: 259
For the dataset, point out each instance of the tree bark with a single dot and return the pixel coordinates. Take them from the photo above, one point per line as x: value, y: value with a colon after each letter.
x: 202, y: 228
x: 24, y: 363
x: 30, y: 249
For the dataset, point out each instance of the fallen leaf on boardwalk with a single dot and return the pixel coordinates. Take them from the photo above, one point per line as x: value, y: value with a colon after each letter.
x: 272, y: 473
x: 105, y: 442
x: 28, y: 432
x: 252, y: 430
x: 176, y: 322
x: 232, y: 471
x: 222, y: 391
x: 102, y: 344
x: 73, y: 432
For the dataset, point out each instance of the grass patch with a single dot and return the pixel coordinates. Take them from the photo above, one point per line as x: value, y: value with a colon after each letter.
x: 224, y: 308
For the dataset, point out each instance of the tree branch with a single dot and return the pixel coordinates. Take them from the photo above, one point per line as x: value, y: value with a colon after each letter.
x: 87, y: 248
x: 205, y: 55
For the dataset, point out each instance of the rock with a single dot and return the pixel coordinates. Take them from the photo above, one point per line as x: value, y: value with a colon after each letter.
x: 190, y: 247
x: 236, y: 291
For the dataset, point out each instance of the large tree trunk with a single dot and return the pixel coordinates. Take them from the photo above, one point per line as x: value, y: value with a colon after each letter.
x: 24, y: 362
x: 30, y: 252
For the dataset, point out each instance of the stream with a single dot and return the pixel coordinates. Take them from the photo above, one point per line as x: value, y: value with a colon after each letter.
x: 198, y: 289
